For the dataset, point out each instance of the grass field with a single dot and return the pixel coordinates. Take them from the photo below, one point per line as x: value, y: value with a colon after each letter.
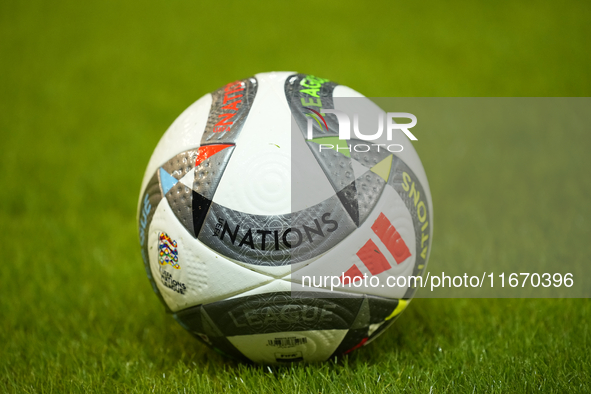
x: 88, y: 88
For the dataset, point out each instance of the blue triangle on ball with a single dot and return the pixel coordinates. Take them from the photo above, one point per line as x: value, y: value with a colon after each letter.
x: 167, y: 181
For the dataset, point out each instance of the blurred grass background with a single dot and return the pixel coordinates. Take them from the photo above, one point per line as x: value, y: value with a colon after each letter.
x: 88, y: 88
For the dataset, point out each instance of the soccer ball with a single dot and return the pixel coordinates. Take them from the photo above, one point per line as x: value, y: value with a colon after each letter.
x: 269, y: 236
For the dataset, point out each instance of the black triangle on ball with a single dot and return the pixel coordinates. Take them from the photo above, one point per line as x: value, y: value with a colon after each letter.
x: 348, y: 197
x: 200, y: 208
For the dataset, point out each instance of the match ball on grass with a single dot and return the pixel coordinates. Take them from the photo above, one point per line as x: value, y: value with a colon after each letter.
x: 276, y: 224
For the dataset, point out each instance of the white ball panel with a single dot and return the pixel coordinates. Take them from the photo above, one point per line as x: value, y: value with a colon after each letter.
x: 409, y: 155
x: 268, y: 270
x: 342, y: 257
x: 275, y: 286
x: 185, y: 133
x: 310, y: 186
x: 207, y: 276
x: 257, y: 178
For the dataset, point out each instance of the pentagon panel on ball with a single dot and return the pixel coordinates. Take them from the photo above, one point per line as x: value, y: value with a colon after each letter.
x: 265, y: 222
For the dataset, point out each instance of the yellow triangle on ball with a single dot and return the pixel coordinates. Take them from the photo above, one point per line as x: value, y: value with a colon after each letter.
x: 383, y: 168
x: 401, y: 306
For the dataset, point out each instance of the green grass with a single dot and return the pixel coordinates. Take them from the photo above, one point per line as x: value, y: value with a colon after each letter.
x: 88, y: 88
